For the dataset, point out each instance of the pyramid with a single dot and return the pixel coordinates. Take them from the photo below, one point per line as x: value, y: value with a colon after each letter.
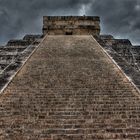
x: 71, y: 83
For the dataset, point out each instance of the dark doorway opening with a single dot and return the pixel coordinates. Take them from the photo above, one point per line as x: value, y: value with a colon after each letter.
x: 68, y: 33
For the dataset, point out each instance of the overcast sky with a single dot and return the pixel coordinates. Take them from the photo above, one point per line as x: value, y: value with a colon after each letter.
x: 120, y: 18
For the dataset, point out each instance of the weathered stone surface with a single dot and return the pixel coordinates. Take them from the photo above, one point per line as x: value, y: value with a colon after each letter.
x: 126, y: 55
x: 136, y: 53
x: 18, y: 43
x: 32, y: 37
x: 70, y: 90
x: 68, y: 25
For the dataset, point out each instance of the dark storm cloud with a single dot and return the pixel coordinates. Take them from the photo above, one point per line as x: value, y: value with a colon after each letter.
x: 20, y: 17
x: 119, y: 17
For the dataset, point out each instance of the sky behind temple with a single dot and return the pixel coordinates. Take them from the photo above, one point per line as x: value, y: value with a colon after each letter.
x: 118, y: 17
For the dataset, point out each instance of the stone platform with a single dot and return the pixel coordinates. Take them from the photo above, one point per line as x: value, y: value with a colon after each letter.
x: 69, y: 89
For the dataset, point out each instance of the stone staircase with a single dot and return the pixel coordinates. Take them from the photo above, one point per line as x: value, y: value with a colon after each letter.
x: 70, y: 89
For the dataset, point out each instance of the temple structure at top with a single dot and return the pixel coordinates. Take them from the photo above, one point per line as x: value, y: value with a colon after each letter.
x: 71, y: 25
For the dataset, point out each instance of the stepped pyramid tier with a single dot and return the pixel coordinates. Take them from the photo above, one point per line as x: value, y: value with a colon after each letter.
x: 70, y: 85
x: 13, y: 56
x: 124, y: 53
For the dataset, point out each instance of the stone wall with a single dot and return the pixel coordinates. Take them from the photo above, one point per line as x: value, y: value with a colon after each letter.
x: 71, y: 25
